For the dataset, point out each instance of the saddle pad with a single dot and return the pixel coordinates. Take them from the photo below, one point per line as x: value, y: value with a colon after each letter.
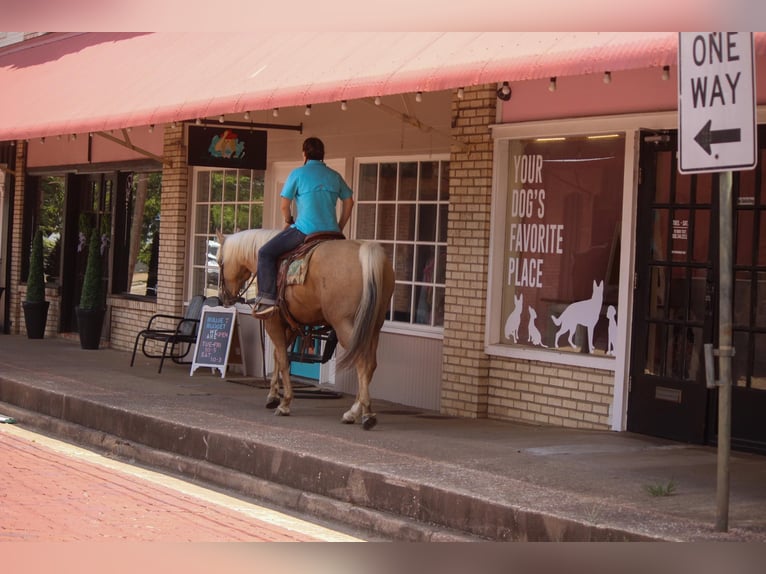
x: 297, y: 268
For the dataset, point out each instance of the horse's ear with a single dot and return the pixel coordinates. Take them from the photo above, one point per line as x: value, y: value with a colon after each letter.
x: 219, y: 235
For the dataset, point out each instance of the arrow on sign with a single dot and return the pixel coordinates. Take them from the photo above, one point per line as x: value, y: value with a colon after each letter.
x: 707, y: 136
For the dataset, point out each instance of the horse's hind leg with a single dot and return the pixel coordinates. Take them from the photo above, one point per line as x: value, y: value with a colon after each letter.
x: 272, y: 400
x: 362, y: 407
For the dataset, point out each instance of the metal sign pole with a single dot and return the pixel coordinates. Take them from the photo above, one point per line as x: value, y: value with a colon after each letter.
x: 725, y: 351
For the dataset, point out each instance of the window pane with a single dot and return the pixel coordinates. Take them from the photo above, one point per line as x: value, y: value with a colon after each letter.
x: 368, y: 182
x: 404, y: 262
x: 243, y: 217
x: 243, y: 189
x: 405, y: 222
x: 427, y: 223
x: 402, y: 302
x: 762, y: 239
x: 561, y: 238
x: 386, y: 219
x: 387, y: 184
x: 741, y: 303
x: 429, y: 180
x: 228, y: 219
x: 216, y: 186
x: 365, y: 221
x: 744, y: 234
x: 758, y: 377
x: 203, y: 186
x: 408, y: 181
x: 230, y: 186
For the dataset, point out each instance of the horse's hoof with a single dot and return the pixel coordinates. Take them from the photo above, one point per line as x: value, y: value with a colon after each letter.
x: 347, y: 420
x: 369, y: 422
x: 282, y: 412
x: 272, y: 403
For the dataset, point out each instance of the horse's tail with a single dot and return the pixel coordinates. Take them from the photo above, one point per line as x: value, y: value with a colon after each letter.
x: 372, y: 258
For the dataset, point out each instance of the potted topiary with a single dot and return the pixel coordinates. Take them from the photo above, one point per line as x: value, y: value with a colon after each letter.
x: 90, y: 312
x: 35, y: 306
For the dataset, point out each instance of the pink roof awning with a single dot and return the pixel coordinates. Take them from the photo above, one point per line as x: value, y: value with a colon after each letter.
x: 74, y: 83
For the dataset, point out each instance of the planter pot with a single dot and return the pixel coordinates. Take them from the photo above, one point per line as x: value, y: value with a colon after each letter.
x: 35, y: 317
x: 89, y: 323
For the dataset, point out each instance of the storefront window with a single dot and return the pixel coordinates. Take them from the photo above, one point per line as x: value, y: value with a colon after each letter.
x: 52, y: 190
x: 561, y: 244
x: 226, y: 200
x: 402, y: 204
x: 137, y: 236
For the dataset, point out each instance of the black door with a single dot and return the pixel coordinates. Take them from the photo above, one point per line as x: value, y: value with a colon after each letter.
x: 674, y: 295
x: 676, y: 300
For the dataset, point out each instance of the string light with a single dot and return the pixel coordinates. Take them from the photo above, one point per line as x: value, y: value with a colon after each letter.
x: 607, y: 77
x: 460, y: 93
x: 247, y: 116
x: 221, y: 119
x: 377, y: 100
x: 419, y: 97
x: 344, y: 105
x: 275, y: 112
x: 504, y: 92
x: 552, y: 85
x: 665, y: 72
x: 308, y: 110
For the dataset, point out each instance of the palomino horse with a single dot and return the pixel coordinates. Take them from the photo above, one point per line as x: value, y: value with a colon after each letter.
x: 348, y: 286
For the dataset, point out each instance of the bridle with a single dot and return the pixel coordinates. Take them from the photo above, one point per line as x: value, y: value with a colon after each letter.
x: 227, y: 295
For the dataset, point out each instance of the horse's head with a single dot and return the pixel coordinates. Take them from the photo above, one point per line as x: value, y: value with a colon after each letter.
x: 233, y: 275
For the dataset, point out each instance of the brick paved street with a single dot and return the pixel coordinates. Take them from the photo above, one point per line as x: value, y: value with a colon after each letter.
x: 55, y: 492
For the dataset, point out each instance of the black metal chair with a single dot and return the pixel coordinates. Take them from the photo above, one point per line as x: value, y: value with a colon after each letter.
x: 175, y: 333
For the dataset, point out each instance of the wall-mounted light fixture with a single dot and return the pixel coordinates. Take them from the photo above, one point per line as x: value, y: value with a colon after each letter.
x: 221, y: 119
x: 377, y: 100
x: 504, y: 92
x: 42, y: 140
x: 198, y: 121
x: 343, y: 105
x: 308, y: 110
x: 419, y: 97
x: 151, y: 128
x: 552, y: 85
x: 460, y: 93
x: 275, y: 112
x: 665, y: 72
x: 607, y: 77
x: 247, y: 116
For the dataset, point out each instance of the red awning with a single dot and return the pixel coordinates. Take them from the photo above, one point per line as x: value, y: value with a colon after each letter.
x: 75, y: 83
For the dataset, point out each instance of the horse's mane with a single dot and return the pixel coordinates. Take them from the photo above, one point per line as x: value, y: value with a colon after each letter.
x: 244, y: 245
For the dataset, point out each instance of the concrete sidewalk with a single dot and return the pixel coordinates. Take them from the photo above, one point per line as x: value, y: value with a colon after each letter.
x: 416, y: 476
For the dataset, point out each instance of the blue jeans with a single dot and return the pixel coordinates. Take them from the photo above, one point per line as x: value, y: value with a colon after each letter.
x: 268, y: 255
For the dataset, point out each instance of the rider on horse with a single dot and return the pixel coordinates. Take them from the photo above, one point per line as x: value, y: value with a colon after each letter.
x: 316, y: 189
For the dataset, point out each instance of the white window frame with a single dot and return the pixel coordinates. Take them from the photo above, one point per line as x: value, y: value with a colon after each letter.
x: 194, y: 204
x: 399, y: 327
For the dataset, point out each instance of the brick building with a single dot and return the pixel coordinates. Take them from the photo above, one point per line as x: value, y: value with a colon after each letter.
x: 517, y: 181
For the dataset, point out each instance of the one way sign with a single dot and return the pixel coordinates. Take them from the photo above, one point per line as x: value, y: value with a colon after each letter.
x: 716, y: 101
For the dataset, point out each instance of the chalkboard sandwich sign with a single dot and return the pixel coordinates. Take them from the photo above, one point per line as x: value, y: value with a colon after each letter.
x: 214, y: 338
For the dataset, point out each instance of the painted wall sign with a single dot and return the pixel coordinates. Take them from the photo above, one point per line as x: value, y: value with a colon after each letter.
x: 227, y: 147
x: 563, y: 204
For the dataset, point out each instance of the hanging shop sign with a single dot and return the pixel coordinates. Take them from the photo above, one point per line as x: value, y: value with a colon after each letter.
x: 236, y: 148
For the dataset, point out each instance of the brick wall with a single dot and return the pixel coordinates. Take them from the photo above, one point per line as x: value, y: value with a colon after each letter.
x: 473, y: 383
x: 128, y: 317
x: 465, y: 366
x: 14, y: 291
x: 545, y: 393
